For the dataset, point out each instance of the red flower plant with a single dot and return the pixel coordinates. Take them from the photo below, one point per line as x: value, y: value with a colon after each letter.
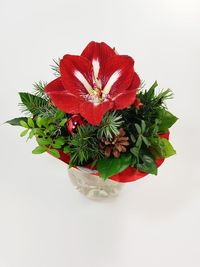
x: 95, y: 82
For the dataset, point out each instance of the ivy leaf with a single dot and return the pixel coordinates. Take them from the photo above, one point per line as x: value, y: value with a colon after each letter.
x: 148, y: 165
x: 16, y: 121
x: 55, y: 153
x: 24, y: 132
x: 31, y: 123
x: 167, y: 120
x: 39, y: 150
x: 23, y: 124
x: 111, y: 166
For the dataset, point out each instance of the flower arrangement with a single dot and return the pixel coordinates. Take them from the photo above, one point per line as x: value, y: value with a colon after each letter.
x: 97, y: 114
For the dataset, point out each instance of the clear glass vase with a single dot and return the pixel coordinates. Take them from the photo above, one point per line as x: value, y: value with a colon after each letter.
x: 93, y: 186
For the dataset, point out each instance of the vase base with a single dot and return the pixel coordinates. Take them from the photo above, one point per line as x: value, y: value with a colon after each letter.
x: 92, y: 186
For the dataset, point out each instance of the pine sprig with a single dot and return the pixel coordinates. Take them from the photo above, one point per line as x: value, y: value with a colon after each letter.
x: 38, y: 89
x: 84, y: 145
x: 35, y: 105
x: 56, y: 67
x: 110, y: 125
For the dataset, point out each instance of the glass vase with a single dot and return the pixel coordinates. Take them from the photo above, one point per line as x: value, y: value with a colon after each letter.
x: 93, y: 186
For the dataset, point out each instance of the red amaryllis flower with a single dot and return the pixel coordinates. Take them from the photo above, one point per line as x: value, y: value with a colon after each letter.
x: 95, y: 82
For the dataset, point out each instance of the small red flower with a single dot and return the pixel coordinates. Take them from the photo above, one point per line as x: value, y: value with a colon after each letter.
x: 95, y: 82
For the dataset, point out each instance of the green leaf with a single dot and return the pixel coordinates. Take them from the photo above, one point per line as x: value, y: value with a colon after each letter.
x: 39, y: 150
x: 59, y: 114
x: 23, y: 124
x: 45, y: 122
x: 56, y: 145
x: 134, y: 161
x: 31, y: 134
x: 112, y: 166
x: 44, y: 141
x: 16, y: 121
x: 66, y: 149
x: 167, y: 148
x: 139, y: 142
x: 38, y: 122
x: 31, y: 123
x: 135, y: 151
x: 148, y: 165
x: 162, y: 148
x: 151, y: 91
x: 167, y: 120
x: 132, y: 138
x: 60, y: 140
x: 143, y: 126
x: 138, y: 128
x: 63, y: 122
x: 38, y: 132
x: 145, y: 140
x: 55, y: 153
x: 23, y: 133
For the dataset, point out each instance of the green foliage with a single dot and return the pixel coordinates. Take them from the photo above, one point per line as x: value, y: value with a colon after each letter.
x: 24, y: 132
x: 24, y: 124
x: 39, y: 150
x: 148, y: 165
x: 84, y: 145
x: 56, y: 67
x: 36, y: 105
x: 47, y: 132
x: 142, y: 125
x: 38, y: 88
x: 167, y: 119
x: 16, y: 121
x: 110, y: 125
x: 54, y: 153
x: 110, y: 166
x: 162, y: 148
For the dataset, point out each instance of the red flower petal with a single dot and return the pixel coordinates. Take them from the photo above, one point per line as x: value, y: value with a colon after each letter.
x: 54, y: 86
x: 98, y: 51
x: 76, y: 74
x: 127, y: 98
x: 62, y: 99
x: 124, y: 100
x: 94, y: 113
x: 116, y: 75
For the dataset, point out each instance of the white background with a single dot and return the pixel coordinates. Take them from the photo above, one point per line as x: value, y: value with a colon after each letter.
x: 155, y: 222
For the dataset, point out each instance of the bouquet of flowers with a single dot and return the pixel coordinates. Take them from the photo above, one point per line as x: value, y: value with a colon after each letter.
x: 98, y: 115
